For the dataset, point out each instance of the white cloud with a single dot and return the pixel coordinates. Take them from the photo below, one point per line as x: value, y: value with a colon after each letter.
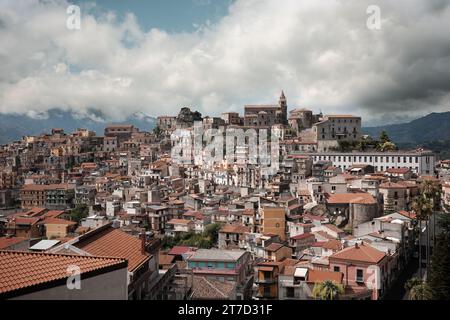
x: 320, y: 52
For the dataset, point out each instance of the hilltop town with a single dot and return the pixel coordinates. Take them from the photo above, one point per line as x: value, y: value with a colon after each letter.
x: 341, y: 213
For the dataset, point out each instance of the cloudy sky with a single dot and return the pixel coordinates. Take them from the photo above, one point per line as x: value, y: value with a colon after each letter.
x: 217, y: 55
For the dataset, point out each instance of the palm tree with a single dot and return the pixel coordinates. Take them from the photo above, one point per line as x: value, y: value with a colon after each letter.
x: 432, y: 190
x: 327, y: 290
x: 411, y: 283
x: 420, y: 292
x: 423, y: 208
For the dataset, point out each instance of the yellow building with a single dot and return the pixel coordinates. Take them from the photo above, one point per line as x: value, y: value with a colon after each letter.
x: 58, y: 228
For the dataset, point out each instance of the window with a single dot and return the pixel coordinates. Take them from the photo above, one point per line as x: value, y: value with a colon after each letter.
x: 290, y: 292
x: 359, y: 275
x: 336, y: 269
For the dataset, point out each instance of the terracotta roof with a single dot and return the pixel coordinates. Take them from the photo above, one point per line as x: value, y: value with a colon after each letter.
x: 233, y: 228
x: 165, y: 259
x: 26, y: 220
x: 302, y: 236
x: 359, y: 198
x: 332, y: 227
x: 58, y: 221
x: 6, y: 242
x: 28, y: 269
x: 332, y: 245
x: 35, y: 212
x: 209, y: 289
x: 318, y: 244
x: 179, y: 250
x: 392, y: 185
x: 111, y: 242
x: 274, y: 247
x: 398, y: 170
x: 54, y: 213
x: 179, y: 221
x: 361, y: 253
x: 407, y: 214
x: 324, y: 275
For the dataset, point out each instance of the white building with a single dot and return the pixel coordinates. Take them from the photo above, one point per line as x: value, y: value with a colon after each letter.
x: 421, y: 162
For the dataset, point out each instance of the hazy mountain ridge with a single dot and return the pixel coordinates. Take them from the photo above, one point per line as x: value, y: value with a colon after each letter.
x: 433, y: 127
x: 14, y: 126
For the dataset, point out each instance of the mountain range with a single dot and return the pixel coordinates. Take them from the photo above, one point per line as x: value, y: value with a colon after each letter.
x: 433, y: 127
x: 14, y: 126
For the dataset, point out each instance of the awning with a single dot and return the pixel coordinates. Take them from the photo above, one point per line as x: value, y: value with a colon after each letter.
x: 301, y: 272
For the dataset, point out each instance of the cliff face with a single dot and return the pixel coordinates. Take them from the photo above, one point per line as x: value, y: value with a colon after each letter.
x: 186, y: 117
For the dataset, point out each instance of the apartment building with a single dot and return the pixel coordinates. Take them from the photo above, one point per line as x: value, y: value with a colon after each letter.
x: 421, y: 162
x: 52, y: 196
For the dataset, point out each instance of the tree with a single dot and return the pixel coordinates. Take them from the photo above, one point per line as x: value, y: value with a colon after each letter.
x: 411, y: 283
x: 384, y: 137
x: 386, y: 146
x: 327, y: 290
x: 80, y: 212
x: 212, y: 232
x: 420, y: 292
x: 438, y: 279
x: 423, y: 208
x: 157, y: 131
x: 362, y: 145
x: 431, y: 190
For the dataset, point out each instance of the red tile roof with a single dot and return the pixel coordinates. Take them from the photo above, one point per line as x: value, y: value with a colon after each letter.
x: 407, y: 214
x: 302, y: 236
x: 398, y: 170
x: 179, y: 250
x: 274, y: 247
x: 360, y: 253
x: 6, y: 242
x: 111, y: 242
x: 54, y: 213
x: 27, y: 269
x: 233, y: 228
x: 324, y: 275
x: 332, y: 245
x: 58, y: 221
x: 179, y: 221
x: 392, y: 185
x: 344, y: 198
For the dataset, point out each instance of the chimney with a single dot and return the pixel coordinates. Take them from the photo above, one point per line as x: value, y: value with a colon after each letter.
x: 143, y: 242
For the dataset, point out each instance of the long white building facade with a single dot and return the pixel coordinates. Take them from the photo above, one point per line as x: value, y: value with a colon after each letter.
x: 421, y: 162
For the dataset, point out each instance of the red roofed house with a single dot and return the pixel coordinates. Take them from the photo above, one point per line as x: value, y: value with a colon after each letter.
x: 230, y: 235
x: 14, y: 243
x: 404, y: 173
x: 179, y: 226
x: 24, y: 227
x: 277, y: 252
x: 365, y: 270
x: 356, y: 207
x: 106, y: 241
x: 56, y: 228
x: 296, y: 282
x: 44, y: 276
x: 301, y: 242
